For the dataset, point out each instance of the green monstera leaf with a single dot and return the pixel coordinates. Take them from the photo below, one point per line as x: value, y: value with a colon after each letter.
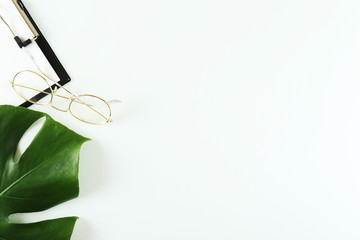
x: 45, y: 176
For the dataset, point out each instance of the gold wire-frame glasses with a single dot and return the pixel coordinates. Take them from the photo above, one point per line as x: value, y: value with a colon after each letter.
x: 86, y: 107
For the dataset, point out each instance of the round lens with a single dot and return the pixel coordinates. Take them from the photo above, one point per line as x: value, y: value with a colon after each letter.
x: 27, y: 84
x: 90, y: 109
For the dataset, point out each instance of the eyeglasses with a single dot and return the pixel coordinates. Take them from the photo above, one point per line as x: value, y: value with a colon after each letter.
x: 86, y: 108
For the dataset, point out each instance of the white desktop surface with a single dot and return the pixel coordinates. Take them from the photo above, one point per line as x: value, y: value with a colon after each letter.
x: 239, y: 119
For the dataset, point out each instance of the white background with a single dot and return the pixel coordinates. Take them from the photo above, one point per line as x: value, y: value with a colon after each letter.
x: 240, y: 119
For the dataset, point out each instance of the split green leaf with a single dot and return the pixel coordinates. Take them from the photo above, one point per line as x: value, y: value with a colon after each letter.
x: 45, y: 176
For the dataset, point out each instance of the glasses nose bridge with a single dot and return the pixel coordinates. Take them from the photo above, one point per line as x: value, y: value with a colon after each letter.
x: 62, y: 102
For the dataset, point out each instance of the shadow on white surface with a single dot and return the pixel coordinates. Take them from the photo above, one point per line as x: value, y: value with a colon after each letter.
x: 82, y: 230
x: 91, y: 174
